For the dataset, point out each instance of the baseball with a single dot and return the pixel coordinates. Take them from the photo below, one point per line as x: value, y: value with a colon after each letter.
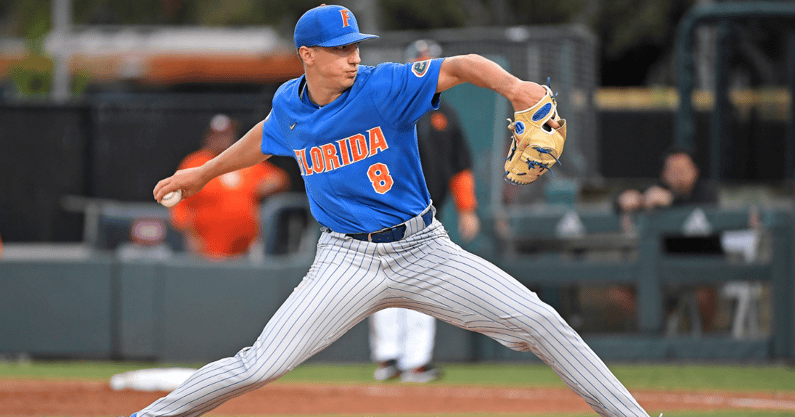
x: 171, y: 198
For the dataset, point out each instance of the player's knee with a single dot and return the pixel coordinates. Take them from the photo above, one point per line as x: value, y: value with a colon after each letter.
x: 253, y: 370
x: 537, y: 323
x: 548, y: 314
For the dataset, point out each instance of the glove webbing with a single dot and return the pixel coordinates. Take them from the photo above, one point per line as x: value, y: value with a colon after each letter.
x: 534, y: 164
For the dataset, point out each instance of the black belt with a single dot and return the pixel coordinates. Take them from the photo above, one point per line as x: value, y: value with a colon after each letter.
x: 393, y: 234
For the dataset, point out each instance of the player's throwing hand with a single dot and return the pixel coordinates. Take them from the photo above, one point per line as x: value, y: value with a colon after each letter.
x: 188, y: 180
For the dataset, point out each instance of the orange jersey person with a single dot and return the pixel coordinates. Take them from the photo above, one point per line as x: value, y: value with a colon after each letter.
x: 222, y: 219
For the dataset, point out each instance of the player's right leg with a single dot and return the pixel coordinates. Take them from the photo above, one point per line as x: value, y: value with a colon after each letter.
x: 339, y: 291
x: 505, y: 310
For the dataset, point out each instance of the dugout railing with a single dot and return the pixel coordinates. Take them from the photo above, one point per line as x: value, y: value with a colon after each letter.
x: 561, y: 246
x: 182, y: 308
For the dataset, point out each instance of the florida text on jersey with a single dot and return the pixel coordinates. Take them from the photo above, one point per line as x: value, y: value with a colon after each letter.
x: 358, y: 155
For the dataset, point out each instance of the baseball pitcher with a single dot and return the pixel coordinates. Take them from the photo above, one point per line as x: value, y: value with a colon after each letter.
x: 351, y: 130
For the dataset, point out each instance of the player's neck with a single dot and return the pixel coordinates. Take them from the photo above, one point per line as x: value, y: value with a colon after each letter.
x: 318, y: 95
x: 312, y: 99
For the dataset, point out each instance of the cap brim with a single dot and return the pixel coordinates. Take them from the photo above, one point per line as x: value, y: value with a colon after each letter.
x: 347, y: 39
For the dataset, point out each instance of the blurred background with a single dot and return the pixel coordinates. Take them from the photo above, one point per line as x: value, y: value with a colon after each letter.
x: 101, y: 99
x: 91, y: 69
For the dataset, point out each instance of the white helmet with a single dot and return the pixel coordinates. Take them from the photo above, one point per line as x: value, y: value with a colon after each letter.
x: 423, y: 49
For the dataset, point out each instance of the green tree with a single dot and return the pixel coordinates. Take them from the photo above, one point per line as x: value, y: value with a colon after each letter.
x: 635, y: 35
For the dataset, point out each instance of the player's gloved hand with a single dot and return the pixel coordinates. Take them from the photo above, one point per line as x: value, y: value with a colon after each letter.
x: 538, y: 138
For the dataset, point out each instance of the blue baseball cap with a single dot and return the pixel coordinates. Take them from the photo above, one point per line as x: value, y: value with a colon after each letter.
x: 328, y: 26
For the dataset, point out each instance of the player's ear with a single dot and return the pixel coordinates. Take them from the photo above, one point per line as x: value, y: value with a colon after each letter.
x: 306, y: 54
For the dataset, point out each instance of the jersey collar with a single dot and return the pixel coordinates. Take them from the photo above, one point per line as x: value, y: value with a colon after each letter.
x: 304, y: 97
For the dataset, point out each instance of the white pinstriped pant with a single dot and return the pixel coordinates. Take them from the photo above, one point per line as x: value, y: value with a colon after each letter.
x: 351, y: 279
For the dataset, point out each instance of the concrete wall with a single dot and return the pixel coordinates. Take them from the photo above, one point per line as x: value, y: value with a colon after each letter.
x: 181, y: 310
x: 186, y: 309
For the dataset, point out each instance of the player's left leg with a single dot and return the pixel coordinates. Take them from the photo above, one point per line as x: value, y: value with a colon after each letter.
x: 439, y: 278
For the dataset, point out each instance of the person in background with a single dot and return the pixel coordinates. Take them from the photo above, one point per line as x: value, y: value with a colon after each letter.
x: 221, y: 221
x: 402, y: 340
x: 680, y: 184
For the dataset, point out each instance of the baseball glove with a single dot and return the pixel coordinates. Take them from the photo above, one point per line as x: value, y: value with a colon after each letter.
x: 536, y: 146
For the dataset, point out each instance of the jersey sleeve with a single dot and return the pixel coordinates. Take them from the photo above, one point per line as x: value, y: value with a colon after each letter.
x: 410, y: 92
x: 273, y: 141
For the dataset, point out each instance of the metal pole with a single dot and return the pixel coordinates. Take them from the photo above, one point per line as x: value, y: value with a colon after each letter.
x: 649, y: 287
x: 684, y: 129
x: 790, y: 140
x: 61, y: 16
x: 720, y: 140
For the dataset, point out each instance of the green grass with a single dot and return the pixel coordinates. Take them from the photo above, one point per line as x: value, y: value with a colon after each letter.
x: 69, y: 369
x: 778, y: 378
x: 657, y: 376
x: 768, y: 378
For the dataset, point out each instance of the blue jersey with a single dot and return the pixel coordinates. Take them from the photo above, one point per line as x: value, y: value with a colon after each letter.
x: 358, y: 155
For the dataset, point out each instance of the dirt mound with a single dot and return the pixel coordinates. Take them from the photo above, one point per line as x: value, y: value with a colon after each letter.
x: 80, y: 397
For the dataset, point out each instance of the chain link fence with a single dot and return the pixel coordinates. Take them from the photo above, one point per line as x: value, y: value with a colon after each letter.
x: 564, y: 55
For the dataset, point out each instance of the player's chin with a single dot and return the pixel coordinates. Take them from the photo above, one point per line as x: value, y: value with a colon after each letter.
x: 350, y: 76
x: 347, y: 83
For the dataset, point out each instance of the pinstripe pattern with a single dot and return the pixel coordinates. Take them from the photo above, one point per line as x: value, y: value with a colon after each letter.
x: 425, y: 271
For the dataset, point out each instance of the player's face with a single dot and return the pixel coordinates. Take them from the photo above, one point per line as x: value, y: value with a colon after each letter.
x: 338, y: 65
